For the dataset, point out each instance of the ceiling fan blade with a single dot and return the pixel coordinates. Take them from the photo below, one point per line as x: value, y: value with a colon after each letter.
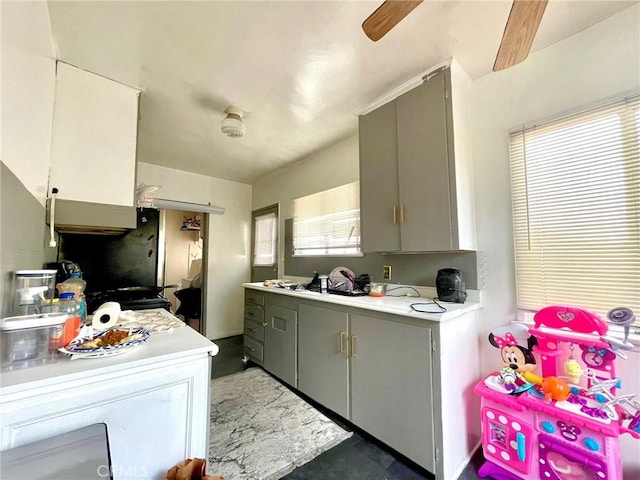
x: 519, y: 32
x: 387, y: 16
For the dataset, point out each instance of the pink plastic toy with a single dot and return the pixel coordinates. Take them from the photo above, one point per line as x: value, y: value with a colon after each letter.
x: 575, y: 432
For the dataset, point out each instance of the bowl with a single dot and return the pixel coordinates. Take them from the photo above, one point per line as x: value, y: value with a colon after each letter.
x: 377, y: 289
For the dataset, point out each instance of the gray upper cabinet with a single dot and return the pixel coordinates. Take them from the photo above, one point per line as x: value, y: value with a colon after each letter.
x: 379, y: 180
x: 416, y: 188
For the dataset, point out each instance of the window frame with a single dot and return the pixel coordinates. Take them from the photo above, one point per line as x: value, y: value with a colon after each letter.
x: 326, y: 209
x: 630, y: 104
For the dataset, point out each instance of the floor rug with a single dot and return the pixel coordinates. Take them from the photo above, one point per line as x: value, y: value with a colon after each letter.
x: 260, y: 430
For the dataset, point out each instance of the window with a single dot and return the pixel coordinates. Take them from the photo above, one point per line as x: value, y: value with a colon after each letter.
x: 264, y: 250
x: 576, y: 210
x: 328, y: 223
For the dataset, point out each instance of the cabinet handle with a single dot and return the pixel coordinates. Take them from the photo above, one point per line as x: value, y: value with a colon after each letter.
x: 395, y: 215
x: 264, y: 324
x: 341, y: 340
x: 251, y: 329
x: 251, y: 314
x: 251, y: 348
x: 352, y: 338
x: 402, y: 218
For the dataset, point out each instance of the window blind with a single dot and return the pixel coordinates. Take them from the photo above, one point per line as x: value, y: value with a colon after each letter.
x: 576, y: 210
x: 328, y: 223
x: 265, y: 240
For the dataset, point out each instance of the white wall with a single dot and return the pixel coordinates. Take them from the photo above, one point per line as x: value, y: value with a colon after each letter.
x: 28, y: 84
x: 595, y: 64
x: 331, y: 167
x: 228, y: 249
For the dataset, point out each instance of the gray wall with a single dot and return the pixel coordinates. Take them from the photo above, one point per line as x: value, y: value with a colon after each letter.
x: 22, y: 233
x: 410, y: 269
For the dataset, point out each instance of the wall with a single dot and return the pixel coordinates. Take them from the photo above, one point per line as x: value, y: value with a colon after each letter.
x: 597, y: 63
x: 22, y: 234
x: 413, y: 269
x: 28, y: 84
x: 228, y: 247
x: 332, y: 167
x: 27, y: 91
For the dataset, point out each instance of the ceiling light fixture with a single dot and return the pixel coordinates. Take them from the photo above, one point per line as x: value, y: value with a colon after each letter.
x: 232, y: 124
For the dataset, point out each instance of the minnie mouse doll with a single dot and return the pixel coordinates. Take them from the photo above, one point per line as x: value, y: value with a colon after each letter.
x: 516, y: 357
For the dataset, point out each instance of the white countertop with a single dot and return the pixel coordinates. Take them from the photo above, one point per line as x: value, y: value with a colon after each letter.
x: 181, y: 342
x: 386, y: 304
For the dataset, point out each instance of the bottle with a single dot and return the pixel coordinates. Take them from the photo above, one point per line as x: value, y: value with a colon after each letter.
x: 67, y: 304
x: 324, y: 284
x: 76, y: 285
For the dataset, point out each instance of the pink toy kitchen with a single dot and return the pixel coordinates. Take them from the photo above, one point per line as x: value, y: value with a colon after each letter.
x: 555, y: 411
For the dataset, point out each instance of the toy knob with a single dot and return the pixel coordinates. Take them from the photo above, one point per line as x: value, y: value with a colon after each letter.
x: 621, y: 316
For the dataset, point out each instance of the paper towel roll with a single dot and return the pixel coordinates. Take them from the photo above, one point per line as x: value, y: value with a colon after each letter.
x: 106, y: 316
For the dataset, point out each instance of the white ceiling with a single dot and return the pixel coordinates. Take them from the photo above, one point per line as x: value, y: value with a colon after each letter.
x: 299, y: 69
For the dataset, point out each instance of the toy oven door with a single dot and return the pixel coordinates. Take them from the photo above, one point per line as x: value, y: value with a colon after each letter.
x: 559, y: 461
x: 506, y: 440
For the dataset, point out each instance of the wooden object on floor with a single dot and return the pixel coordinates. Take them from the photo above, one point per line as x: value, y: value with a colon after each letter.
x: 191, y: 469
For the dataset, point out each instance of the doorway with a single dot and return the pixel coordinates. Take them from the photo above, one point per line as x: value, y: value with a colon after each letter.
x: 182, y: 272
x: 264, y: 243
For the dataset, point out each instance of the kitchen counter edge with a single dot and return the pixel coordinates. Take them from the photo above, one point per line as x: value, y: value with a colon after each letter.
x: 386, y: 304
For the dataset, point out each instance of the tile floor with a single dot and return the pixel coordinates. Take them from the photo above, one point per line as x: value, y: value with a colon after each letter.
x: 360, y: 457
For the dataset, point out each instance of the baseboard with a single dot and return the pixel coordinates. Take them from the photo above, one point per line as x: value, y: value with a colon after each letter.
x: 226, y: 335
x: 468, y: 459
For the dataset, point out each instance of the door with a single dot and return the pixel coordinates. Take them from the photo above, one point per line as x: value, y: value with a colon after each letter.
x: 323, y: 363
x: 560, y: 460
x: 264, y: 244
x: 280, y: 342
x: 424, y: 168
x: 507, y: 440
x: 379, y: 210
x: 391, y: 373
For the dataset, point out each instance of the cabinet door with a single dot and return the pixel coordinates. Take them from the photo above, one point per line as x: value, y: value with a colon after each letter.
x: 424, y: 168
x: 391, y: 385
x: 323, y: 365
x: 280, y: 342
x: 93, y: 144
x: 379, y: 180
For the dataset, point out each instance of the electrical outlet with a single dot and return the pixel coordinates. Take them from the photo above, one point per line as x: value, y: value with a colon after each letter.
x: 386, y: 272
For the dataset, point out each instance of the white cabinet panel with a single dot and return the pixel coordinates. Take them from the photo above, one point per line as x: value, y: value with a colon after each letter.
x: 155, y: 418
x: 93, y: 149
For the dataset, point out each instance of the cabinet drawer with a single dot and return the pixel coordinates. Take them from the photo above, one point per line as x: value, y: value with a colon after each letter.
x: 254, y: 330
x: 253, y: 297
x: 254, y: 313
x: 253, y: 349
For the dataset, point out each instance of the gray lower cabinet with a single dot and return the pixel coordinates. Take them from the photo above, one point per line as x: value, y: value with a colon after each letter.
x: 372, y: 370
x: 254, y: 326
x: 280, y: 342
x: 391, y: 385
x: 323, y: 363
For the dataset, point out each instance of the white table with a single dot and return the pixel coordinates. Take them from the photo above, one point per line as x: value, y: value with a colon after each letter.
x: 154, y: 400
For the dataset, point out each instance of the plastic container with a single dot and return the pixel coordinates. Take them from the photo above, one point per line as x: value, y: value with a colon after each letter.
x: 33, y: 291
x: 377, y: 289
x: 67, y: 304
x: 76, y: 285
x: 30, y: 340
